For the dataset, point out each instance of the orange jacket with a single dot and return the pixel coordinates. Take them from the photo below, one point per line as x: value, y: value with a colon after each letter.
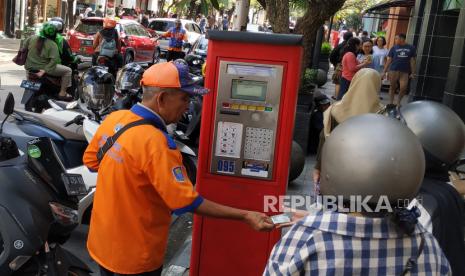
x: 140, y: 182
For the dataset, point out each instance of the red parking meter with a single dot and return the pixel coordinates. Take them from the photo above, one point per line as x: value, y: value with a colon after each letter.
x: 245, y: 144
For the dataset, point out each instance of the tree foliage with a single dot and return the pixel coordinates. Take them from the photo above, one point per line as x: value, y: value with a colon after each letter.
x: 352, y: 11
x: 316, y: 12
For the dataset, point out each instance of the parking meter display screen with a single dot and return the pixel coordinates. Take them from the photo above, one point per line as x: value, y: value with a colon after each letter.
x: 249, y: 90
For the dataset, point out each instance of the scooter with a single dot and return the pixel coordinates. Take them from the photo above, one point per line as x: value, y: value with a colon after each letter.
x: 39, y: 209
x: 38, y: 90
x: 69, y: 143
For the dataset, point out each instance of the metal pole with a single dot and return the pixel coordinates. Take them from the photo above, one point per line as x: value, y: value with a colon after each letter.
x: 242, y: 7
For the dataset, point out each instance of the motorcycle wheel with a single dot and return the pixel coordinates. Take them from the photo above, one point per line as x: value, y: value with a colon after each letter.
x: 73, y: 271
x: 190, y: 166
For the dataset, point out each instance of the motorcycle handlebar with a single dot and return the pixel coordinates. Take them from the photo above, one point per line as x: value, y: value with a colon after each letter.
x: 77, y: 120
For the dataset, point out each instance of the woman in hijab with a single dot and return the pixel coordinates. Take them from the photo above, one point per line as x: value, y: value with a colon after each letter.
x: 361, y: 98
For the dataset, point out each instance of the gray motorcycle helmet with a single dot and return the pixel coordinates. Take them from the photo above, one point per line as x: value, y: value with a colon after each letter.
x: 372, y: 155
x: 439, y: 129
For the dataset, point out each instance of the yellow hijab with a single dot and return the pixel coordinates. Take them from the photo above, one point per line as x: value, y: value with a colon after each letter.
x: 362, y: 97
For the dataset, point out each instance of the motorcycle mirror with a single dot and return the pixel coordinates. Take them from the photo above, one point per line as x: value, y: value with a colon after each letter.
x: 8, y: 109
x: 9, y: 104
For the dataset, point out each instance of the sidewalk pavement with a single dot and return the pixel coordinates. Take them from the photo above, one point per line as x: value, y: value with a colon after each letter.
x: 11, y: 74
x: 329, y: 88
x: 8, y: 49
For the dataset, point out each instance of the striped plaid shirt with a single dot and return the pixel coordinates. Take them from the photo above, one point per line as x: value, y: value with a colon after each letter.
x: 330, y: 243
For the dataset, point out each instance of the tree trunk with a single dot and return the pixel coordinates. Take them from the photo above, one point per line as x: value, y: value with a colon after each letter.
x: 192, y: 10
x: 231, y: 12
x: 70, y: 23
x: 278, y: 15
x: 315, y: 16
x: 161, y: 6
x: 33, y: 16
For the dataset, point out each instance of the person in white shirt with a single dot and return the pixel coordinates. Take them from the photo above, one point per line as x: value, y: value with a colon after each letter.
x: 380, y: 54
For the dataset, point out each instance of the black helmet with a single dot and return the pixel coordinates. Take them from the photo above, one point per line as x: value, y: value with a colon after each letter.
x: 96, y: 88
x: 58, y: 22
x: 128, y: 78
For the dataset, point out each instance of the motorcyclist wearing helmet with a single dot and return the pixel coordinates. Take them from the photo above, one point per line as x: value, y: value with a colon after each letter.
x: 66, y: 55
x: 107, y: 42
x: 362, y: 163
x: 442, y: 135
x: 361, y: 98
x: 177, y: 36
x: 44, y: 56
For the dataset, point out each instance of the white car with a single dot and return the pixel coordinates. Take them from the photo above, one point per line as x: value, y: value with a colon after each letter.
x: 162, y: 25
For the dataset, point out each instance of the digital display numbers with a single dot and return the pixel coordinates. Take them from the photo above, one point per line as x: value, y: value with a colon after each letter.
x: 225, y: 166
x: 248, y: 90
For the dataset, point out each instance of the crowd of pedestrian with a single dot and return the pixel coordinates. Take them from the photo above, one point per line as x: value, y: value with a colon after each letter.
x: 396, y: 65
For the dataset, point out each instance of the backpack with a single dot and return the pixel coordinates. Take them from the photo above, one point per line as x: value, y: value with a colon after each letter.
x: 107, y: 46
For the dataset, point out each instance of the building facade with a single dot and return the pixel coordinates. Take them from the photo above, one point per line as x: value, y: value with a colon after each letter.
x: 437, y: 28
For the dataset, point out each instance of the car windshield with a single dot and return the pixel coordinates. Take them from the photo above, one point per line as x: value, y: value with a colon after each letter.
x: 161, y: 26
x: 203, y: 45
x: 89, y: 27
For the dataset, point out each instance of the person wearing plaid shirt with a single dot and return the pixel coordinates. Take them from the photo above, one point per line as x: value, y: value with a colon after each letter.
x: 365, y: 242
x: 331, y: 243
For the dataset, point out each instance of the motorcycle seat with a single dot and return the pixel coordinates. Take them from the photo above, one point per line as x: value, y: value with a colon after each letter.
x: 72, y: 132
x: 14, y: 161
x: 33, y: 77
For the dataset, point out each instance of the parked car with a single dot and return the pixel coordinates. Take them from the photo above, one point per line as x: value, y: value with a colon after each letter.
x: 257, y: 28
x: 138, y: 45
x: 162, y: 25
x: 200, y: 47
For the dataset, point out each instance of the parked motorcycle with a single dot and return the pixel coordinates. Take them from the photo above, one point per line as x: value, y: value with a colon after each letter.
x: 39, y: 208
x: 69, y: 143
x: 38, y: 90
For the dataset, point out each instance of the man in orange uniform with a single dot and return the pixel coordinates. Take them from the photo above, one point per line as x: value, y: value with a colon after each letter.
x: 177, y: 36
x: 141, y: 179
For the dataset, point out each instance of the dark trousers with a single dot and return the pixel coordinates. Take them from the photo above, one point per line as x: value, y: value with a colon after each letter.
x: 344, y: 86
x: 174, y: 55
x: 105, y: 272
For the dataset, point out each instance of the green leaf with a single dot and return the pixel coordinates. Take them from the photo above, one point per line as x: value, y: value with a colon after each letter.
x: 215, y: 4
x: 204, y: 7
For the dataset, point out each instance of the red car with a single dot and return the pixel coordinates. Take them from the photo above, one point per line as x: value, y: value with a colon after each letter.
x: 138, y: 45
